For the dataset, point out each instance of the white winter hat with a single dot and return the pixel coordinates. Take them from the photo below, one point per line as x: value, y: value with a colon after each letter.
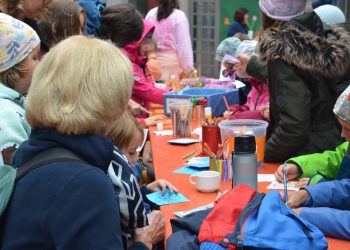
x: 330, y: 14
x: 342, y: 106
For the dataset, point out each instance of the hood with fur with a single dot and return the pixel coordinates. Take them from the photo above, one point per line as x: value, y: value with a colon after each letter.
x: 304, y: 43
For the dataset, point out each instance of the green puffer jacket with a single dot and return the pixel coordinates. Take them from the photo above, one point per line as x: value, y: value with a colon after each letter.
x: 321, y: 165
x: 302, y: 63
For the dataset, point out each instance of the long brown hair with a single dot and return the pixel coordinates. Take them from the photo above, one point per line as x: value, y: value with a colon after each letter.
x: 15, y: 8
x: 165, y: 8
x: 59, y: 21
x: 268, y: 23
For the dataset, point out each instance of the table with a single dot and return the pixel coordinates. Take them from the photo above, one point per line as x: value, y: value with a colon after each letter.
x: 167, y: 158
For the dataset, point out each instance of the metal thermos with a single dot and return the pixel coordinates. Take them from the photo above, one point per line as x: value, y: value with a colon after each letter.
x: 244, y: 162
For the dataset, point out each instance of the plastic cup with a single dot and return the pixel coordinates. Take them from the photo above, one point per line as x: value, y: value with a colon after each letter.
x: 181, y: 119
x: 230, y: 128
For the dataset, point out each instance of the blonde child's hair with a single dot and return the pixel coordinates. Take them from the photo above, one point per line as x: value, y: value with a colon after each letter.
x: 59, y: 21
x: 125, y: 130
x: 11, y: 76
x: 80, y: 87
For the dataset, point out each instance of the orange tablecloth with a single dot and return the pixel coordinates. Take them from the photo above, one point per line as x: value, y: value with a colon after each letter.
x: 167, y: 158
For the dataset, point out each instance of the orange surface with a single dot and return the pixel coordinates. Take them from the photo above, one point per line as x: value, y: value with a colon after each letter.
x: 167, y: 158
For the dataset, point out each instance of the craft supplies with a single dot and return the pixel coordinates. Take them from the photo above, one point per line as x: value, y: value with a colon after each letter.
x: 181, y: 117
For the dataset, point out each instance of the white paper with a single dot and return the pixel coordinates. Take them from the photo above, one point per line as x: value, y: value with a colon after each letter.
x: 198, y: 131
x: 183, y: 141
x: 145, y: 133
x: 163, y: 132
x: 239, y: 84
x: 266, y: 178
x: 279, y: 185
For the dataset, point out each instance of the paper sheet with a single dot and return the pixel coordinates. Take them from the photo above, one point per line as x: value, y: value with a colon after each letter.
x: 279, y: 185
x: 189, y: 170
x: 199, y: 162
x: 166, y: 199
x: 266, y: 178
x: 145, y: 134
x: 163, y: 132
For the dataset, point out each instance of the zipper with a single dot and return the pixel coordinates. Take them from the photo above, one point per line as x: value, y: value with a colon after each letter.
x: 236, y: 238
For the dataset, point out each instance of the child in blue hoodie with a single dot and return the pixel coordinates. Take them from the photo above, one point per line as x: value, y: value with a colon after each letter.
x: 327, y: 204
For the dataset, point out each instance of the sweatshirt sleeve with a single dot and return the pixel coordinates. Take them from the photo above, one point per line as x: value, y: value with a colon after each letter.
x: 257, y: 69
x: 86, y: 214
x: 144, y: 89
x: 327, y: 163
x: 332, y: 222
x: 334, y: 194
x: 183, y: 42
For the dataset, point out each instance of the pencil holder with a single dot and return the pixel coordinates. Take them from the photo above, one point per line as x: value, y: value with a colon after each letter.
x: 181, y: 118
x: 211, y: 136
x: 223, y: 167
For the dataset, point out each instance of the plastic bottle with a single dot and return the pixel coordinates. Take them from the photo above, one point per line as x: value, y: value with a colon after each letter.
x: 173, y: 82
x: 244, y: 162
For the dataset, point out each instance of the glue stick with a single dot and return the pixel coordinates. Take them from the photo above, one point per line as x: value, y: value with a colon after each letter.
x: 208, y: 115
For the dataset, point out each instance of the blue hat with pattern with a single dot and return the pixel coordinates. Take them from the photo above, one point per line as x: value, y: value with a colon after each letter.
x: 17, y: 41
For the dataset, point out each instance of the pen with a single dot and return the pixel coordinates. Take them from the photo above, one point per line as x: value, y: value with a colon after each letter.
x: 285, y: 182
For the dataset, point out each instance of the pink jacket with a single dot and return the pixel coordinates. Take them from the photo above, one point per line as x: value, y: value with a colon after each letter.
x: 143, y: 91
x: 257, y: 98
x: 173, y: 33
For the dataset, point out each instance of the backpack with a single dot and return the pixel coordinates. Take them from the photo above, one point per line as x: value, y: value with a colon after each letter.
x: 9, y: 175
x: 264, y: 223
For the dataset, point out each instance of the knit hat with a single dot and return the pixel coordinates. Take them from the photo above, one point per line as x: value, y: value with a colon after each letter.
x: 17, y: 41
x: 247, y: 47
x: 342, y: 106
x: 282, y: 10
x: 227, y: 46
x: 330, y: 14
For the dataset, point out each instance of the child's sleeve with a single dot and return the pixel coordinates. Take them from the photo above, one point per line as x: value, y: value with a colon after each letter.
x: 326, y: 163
x: 334, y: 194
x: 144, y: 89
x: 332, y: 222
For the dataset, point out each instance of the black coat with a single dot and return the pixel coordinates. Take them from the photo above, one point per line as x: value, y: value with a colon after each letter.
x: 304, y: 61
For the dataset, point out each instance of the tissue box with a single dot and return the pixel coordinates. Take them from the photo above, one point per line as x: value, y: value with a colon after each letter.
x: 214, y: 97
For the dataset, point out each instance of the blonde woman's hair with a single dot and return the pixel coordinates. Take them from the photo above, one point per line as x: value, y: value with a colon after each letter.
x: 12, y: 76
x: 81, y: 86
x: 125, y: 130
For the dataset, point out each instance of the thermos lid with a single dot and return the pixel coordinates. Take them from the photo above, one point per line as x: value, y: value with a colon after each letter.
x: 245, y: 144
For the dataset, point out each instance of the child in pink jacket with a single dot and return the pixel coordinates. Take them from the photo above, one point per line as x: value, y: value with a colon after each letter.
x: 143, y: 91
x: 257, y: 105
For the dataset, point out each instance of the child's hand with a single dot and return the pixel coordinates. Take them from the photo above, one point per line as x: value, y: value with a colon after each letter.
x: 302, y: 183
x: 292, y: 170
x: 241, y: 68
x: 152, y: 120
x: 265, y: 112
x: 297, y: 198
x: 227, y: 115
x: 161, y: 185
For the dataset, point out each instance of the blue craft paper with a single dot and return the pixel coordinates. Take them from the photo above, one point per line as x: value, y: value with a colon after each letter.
x: 166, y: 199
x: 199, y: 162
x: 189, y: 170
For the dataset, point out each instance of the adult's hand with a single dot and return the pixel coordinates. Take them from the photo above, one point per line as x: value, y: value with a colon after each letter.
x: 292, y: 170
x: 154, y: 232
x: 136, y: 108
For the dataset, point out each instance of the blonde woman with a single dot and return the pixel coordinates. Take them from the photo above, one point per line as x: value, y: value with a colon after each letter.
x: 79, y: 91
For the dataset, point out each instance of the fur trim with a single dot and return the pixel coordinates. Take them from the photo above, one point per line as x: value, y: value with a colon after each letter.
x: 328, y: 56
